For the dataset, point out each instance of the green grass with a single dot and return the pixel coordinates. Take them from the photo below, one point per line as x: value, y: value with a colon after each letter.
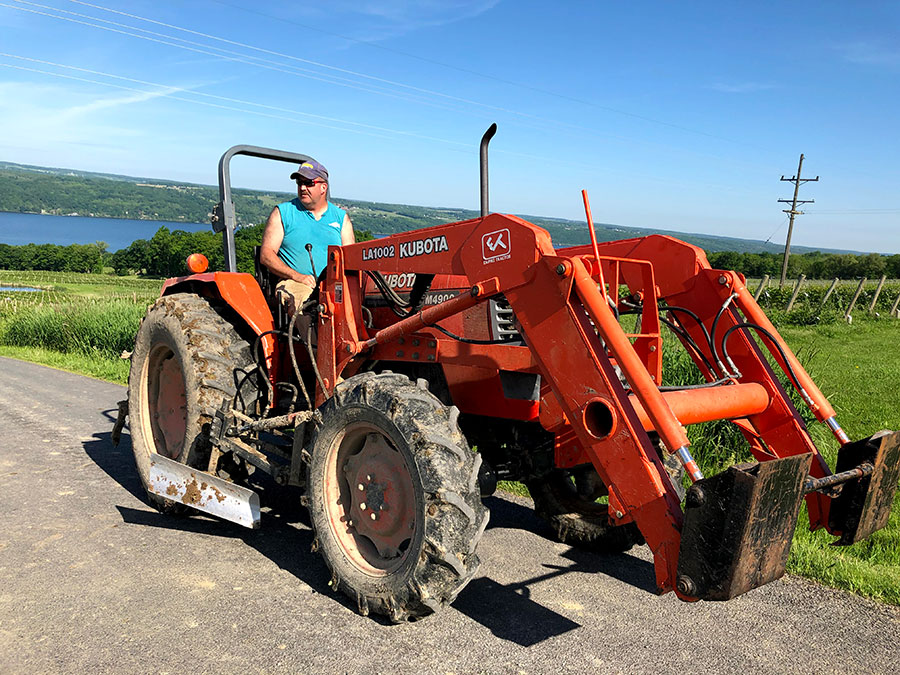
x: 77, y: 322
x: 103, y: 330
x: 110, y: 370
x: 858, y: 368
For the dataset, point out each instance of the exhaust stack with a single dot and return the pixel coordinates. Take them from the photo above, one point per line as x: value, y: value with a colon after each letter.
x: 488, y: 135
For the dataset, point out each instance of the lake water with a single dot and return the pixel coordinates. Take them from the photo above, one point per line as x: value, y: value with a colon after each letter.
x: 31, y: 228
x: 20, y: 289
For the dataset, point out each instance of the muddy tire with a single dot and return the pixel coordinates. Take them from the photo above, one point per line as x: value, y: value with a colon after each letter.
x: 393, y: 497
x: 181, y: 371
x: 576, y: 518
x: 569, y: 506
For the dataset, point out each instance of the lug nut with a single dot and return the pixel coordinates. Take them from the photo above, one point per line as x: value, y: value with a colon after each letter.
x: 373, y: 516
x: 362, y: 506
x: 361, y: 486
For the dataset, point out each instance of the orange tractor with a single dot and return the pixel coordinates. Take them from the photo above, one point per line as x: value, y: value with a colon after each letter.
x: 437, y: 361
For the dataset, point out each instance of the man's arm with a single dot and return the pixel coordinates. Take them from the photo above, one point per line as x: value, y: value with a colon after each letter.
x: 273, y: 235
x: 347, y: 235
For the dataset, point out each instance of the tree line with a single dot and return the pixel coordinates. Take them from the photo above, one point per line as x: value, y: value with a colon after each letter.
x: 164, y: 254
x: 54, y: 258
x: 814, y: 265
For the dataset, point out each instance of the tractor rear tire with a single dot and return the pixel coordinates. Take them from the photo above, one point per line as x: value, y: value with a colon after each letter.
x: 393, y: 497
x: 182, y: 369
x: 578, y: 519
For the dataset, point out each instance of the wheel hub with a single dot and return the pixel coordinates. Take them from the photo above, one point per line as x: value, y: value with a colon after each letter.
x: 168, y: 404
x: 382, y: 505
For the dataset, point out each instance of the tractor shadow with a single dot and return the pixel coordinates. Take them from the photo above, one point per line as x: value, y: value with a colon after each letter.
x: 511, y: 614
x: 286, y: 539
x: 284, y: 536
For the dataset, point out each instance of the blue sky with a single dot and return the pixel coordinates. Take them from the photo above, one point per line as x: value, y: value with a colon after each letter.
x: 677, y: 116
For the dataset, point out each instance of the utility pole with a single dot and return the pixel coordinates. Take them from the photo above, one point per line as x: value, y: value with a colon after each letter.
x: 796, y: 180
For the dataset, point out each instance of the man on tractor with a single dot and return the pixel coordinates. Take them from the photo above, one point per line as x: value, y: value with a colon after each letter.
x: 310, y: 220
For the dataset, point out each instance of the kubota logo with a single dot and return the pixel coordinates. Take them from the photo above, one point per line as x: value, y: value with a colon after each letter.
x: 495, y: 245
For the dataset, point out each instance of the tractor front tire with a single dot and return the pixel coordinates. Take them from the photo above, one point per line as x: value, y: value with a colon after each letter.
x: 393, y: 497
x: 181, y: 371
x: 576, y: 518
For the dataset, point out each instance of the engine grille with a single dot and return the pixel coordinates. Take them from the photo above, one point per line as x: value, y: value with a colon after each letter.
x: 503, y: 325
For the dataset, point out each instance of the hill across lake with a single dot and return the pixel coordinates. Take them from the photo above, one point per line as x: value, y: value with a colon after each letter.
x: 69, y: 192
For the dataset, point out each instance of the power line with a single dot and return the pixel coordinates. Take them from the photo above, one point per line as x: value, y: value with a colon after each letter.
x: 291, y: 116
x: 239, y: 58
x: 268, y: 64
x: 310, y: 74
x: 776, y: 231
x: 487, y: 76
x: 347, y: 71
x: 394, y: 82
x: 236, y: 56
x: 831, y: 212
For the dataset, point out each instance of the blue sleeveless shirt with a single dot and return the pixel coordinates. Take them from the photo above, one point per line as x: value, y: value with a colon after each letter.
x: 301, y: 227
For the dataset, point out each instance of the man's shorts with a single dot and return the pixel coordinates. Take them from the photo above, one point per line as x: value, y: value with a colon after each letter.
x: 292, y: 294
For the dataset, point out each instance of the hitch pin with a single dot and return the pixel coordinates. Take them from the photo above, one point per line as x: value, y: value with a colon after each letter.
x: 690, y: 466
x: 815, y: 484
x: 837, y: 431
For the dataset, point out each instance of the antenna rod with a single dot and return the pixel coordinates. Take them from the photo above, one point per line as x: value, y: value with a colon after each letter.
x: 590, y: 221
x: 483, y: 162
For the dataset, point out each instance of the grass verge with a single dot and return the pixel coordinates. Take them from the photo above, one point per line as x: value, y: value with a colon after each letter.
x: 110, y: 370
x: 857, y: 367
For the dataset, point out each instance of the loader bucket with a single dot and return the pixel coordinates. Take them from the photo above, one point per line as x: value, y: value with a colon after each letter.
x: 864, y: 504
x: 738, y: 527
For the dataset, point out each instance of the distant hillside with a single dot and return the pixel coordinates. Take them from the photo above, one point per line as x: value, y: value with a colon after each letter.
x: 34, y: 189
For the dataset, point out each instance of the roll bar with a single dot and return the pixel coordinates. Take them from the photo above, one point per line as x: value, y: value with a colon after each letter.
x: 223, y: 219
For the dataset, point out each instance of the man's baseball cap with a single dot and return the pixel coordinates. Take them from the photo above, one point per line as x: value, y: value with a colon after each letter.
x: 310, y: 170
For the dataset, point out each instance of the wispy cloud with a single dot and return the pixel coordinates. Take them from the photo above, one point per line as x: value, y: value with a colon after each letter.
x: 871, y: 52
x: 115, y: 102
x: 46, y: 115
x: 742, y: 87
x: 393, y: 18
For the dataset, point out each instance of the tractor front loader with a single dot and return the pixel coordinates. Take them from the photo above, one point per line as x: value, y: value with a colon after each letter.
x: 425, y: 346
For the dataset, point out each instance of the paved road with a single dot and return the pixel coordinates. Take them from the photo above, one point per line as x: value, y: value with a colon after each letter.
x: 93, y: 580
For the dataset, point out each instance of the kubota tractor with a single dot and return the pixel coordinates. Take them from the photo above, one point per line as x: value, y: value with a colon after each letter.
x: 426, y: 346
